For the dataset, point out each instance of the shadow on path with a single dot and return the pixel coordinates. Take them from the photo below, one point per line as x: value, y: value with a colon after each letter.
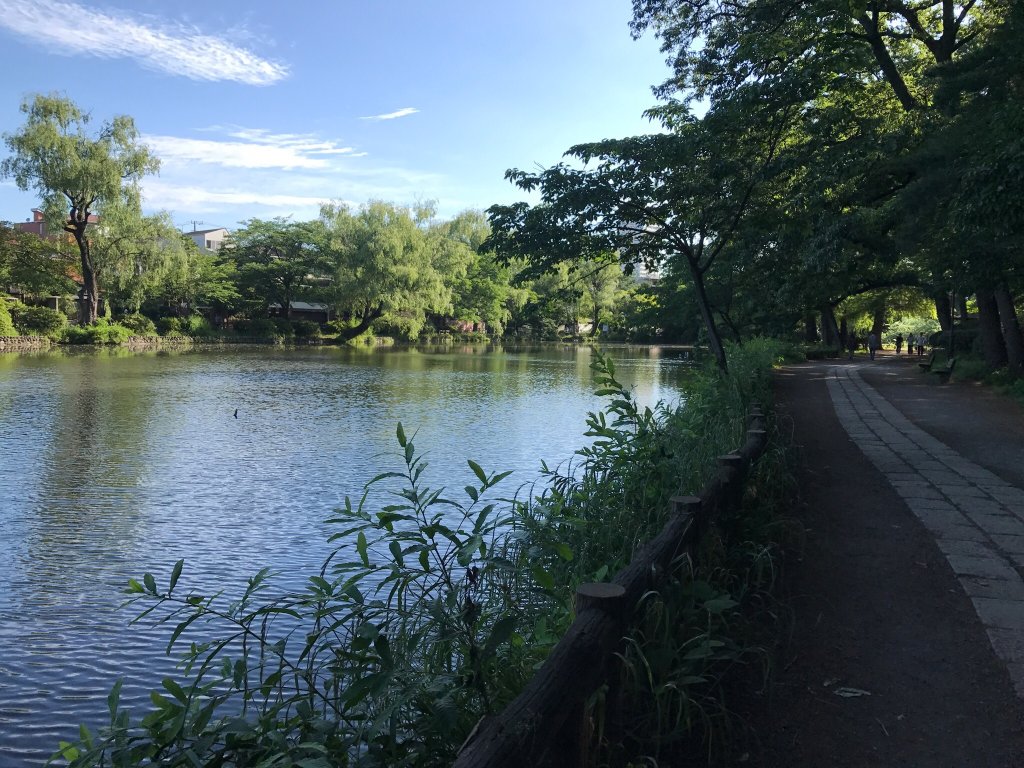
x: 891, y: 466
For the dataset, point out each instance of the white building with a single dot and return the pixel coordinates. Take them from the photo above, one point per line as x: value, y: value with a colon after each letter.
x: 209, y: 239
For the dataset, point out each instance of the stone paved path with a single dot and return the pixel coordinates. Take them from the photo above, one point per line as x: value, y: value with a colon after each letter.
x: 976, y: 517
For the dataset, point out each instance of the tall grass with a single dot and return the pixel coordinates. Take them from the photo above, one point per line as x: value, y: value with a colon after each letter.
x: 435, y: 608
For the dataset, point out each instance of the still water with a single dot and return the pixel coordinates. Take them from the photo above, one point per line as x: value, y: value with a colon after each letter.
x: 115, y: 463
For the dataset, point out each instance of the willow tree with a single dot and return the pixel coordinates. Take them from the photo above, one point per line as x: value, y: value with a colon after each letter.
x: 78, y: 175
x: 384, y: 266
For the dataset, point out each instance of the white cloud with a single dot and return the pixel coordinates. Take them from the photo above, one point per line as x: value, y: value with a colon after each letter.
x: 258, y: 148
x: 178, y: 197
x: 403, y: 112
x: 69, y: 28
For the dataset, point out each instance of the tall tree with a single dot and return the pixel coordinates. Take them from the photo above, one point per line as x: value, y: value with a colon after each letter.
x: 667, y: 197
x: 134, y: 256
x: 383, y: 266
x: 281, y: 261
x: 78, y: 175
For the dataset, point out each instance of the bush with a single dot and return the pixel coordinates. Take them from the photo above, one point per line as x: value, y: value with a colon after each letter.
x: 139, y: 324
x: 101, y: 332
x: 284, y: 327
x: 306, y: 329
x: 198, y: 327
x: 262, y: 328
x: 38, y: 321
x: 168, y: 325
x: 6, y: 323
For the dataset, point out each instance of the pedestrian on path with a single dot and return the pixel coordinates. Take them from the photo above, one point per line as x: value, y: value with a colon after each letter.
x: 872, y: 344
x: 899, y: 343
x: 921, y: 341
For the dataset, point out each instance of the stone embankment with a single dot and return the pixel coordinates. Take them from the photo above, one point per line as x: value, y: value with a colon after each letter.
x: 23, y: 343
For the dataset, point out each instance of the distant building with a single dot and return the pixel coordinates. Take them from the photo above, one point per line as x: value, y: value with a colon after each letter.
x: 210, y: 240
x: 37, y: 224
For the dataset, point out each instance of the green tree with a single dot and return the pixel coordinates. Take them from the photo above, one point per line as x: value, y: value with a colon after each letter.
x: 77, y: 175
x: 677, y: 197
x: 134, y: 256
x: 281, y: 261
x: 205, y: 280
x: 384, y: 267
x: 36, y: 266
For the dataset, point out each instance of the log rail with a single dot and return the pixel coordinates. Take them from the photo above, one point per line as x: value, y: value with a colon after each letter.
x: 544, y: 724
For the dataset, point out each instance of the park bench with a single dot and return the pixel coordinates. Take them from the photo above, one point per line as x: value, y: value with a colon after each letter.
x: 928, y: 365
x: 943, y: 371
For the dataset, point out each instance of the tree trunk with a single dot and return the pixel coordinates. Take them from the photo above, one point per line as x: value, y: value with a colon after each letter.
x: 829, y: 328
x: 1011, y: 329
x: 89, y: 294
x: 993, y: 347
x: 961, y: 306
x: 942, y: 307
x: 878, y: 323
x: 714, y: 340
x: 810, y: 329
x: 364, y: 324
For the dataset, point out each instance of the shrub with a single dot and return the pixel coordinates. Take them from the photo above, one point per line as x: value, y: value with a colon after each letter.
x: 38, y: 321
x: 306, y: 329
x: 198, y: 327
x: 262, y: 328
x: 167, y: 325
x: 6, y: 323
x: 101, y: 332
x: 139, y: 324
x: 284, y: 327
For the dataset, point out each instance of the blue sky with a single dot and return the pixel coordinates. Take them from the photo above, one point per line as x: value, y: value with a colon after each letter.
x: 264, y: 108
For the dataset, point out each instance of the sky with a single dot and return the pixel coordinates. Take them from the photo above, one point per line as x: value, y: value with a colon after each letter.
x: 264, y: 108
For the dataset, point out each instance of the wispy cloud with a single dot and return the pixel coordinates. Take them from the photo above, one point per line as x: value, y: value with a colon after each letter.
x: 185, y: 197
x: 253, y: 148
x: 403, y: 112
x: 70, y: 28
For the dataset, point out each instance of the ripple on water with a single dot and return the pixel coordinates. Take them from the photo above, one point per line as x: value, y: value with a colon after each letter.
x: 112, y: 466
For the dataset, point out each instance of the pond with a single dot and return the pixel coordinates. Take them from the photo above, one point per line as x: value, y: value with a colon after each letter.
x: 114, y: 462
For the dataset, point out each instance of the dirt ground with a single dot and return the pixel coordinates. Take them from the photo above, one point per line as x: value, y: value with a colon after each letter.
x: 876, y: 607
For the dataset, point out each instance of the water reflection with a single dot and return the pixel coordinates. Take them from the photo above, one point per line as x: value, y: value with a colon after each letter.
x: 116, y: 462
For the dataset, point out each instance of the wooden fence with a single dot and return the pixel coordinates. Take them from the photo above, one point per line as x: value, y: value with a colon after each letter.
x: 546, y: 724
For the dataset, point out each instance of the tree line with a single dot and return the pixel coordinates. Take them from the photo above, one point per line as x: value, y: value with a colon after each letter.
x: 817, y: 158
x: 381, y: 267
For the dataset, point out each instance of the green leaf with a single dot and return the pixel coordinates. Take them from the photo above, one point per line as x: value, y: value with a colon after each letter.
x: 719, y: 605
x: 175, y: 690
x: 396, y: 552
x: 150, y: 583
x: 543, y: 578
x: 472, y: 493
x: 478, y: 471
x: 502, y: 632
x: 361, y: 549
x: 401, y: 435
x: 174, y: 575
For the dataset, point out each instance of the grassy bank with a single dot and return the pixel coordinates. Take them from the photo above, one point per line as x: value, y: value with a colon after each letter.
x: 439, y: 603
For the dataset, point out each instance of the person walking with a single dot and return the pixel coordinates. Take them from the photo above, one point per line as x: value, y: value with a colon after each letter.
x: 872, y: 345
x: 899, y: 343
x: 910, y: 343
x: 921, y: 341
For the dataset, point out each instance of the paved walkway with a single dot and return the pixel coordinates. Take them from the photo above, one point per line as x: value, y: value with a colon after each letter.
x: 976, y: 517
x: 906, y: 643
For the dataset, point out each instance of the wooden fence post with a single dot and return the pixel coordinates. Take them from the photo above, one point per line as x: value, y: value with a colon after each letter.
x: 572, y: 745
